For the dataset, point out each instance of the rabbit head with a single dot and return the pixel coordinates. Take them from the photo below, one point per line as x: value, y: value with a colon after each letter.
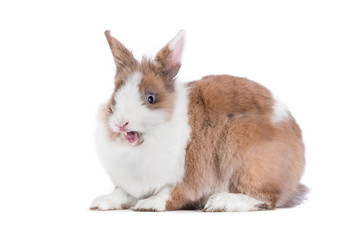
x: 144, y: 92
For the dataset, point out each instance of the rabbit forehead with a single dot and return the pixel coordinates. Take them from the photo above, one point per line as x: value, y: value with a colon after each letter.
x: 129, y: 105
x: 129, y: 91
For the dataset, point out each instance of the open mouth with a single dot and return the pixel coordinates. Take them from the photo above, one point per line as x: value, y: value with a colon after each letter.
x: 133, y: 138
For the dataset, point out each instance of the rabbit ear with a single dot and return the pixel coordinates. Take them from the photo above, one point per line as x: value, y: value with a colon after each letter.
x: 169, y: 57
x: 122, y: 56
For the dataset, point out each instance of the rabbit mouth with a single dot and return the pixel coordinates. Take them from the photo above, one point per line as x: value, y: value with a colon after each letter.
x: 133, y: 138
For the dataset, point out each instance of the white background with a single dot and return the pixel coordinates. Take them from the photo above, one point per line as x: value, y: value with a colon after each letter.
x: 56, y: 68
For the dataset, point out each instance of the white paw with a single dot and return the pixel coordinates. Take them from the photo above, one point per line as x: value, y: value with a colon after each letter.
x: 107, y: 202
x: 153, y: 204
x: 231, y: 202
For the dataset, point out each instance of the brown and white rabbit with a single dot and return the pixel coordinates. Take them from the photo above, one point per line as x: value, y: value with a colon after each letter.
x: 222, y: 143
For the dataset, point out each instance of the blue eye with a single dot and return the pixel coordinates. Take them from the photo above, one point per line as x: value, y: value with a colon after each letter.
x: 150, y: 98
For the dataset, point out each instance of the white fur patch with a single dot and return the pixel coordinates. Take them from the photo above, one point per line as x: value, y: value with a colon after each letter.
x: 280, y: 111
x: 156, y: 202
x: 231, y: 202
x: 159, y: 161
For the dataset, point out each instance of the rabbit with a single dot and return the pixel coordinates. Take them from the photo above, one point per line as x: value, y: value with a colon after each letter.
x: 222, y: 143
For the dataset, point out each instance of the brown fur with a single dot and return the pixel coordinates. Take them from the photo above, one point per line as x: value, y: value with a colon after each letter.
x: 166, y: 67
x: 154, y: 83
x: 235, y: 147
x: 124, y: 60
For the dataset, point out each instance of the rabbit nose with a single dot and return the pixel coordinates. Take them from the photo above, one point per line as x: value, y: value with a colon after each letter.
x: 123, y: 127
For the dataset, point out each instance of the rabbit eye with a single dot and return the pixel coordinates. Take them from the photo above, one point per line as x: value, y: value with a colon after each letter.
x: 150, y: 98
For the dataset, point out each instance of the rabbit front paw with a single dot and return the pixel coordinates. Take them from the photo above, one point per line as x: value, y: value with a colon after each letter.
x: 151, y: 204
